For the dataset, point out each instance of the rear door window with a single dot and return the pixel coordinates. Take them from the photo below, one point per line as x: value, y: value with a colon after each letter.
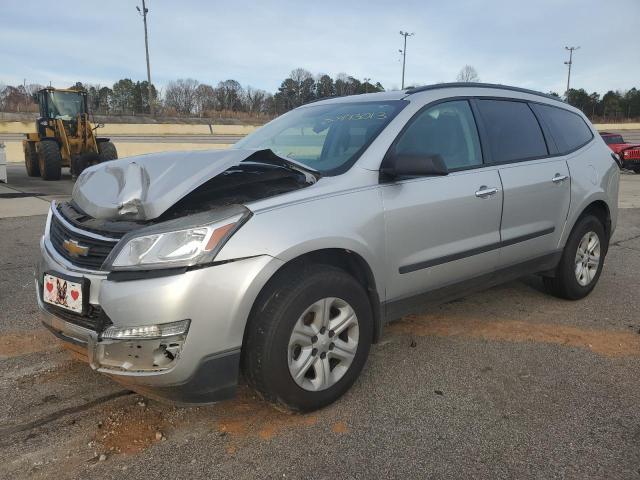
x: 569, y: 130
x: 512, y: 129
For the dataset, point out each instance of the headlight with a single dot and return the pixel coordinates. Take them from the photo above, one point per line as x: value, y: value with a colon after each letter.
x: 176, y: 248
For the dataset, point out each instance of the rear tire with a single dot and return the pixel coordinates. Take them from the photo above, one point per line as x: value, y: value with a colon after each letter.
x: 269, y: 352
x: 31, y: 160
x: 577, y: 273
x: 50, y: 160
x: 107, y: 151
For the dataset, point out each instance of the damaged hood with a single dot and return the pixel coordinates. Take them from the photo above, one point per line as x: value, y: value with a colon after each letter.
x: 144, y: 187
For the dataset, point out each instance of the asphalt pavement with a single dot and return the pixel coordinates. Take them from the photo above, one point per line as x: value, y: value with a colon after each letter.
x: 506, y: 383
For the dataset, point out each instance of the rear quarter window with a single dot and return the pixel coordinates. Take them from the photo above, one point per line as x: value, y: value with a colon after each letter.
x: 512, y: 129
x: 568, y: 129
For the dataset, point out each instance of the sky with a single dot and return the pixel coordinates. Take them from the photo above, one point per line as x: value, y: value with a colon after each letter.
x: 258, y: 43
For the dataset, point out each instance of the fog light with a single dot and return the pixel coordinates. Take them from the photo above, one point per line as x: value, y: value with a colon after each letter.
x: 147, y: 331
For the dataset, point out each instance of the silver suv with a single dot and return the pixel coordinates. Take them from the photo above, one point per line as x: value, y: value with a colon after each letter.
x: 284, y: 256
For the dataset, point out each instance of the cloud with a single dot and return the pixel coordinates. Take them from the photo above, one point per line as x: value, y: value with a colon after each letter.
x: 259, y: 43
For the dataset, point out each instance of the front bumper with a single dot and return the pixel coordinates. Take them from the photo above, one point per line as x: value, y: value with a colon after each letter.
x: 217, y: 300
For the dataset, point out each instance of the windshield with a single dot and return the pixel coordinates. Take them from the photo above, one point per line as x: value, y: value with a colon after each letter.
x: 65, y: 105
x: 328, y: 138
x: 613, y: 139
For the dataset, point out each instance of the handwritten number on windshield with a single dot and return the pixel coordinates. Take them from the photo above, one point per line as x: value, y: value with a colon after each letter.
x: 357, y: 116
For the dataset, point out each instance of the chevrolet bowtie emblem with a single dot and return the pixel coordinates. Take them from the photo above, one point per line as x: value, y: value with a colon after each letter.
x: 75, y: 249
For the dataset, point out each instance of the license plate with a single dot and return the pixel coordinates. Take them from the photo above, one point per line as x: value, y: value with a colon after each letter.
x: 62, y: 293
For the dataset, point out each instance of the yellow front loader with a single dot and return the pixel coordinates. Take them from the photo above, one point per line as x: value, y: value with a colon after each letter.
x: 64, y: 136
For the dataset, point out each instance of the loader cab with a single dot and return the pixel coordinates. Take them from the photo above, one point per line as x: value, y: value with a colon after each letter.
x: 63, y: 105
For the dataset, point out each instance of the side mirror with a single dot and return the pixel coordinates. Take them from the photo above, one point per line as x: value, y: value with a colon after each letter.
x: 408, y: 165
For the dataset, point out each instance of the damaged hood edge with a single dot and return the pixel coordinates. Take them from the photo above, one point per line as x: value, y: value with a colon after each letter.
x: 145, y: 186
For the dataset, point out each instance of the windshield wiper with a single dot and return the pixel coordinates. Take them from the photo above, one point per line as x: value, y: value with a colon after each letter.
x: 269, y: 157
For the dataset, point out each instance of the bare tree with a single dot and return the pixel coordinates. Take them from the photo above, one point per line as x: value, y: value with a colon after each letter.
x: 342, y: 84
x: 303, y: 85
x: 205, y: 99
x: 3, y: 90
x: 254, y: 99
x: 181, y: 95
x: 229, y: 94
x: 468, y: 74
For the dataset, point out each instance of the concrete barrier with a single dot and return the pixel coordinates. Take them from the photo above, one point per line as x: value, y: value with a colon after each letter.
x: 3, y: 163
x: 17, y: 127
x: 617, y: 126
x: 15, y: 154
x: 128, y: 149
x: 216, y: 129
x: 145, y: 129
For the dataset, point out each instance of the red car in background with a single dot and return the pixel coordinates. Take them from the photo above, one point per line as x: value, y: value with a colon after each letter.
x: 629, y: 153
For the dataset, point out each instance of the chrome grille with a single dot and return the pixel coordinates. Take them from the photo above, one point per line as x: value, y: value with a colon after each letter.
x: 98, y: 248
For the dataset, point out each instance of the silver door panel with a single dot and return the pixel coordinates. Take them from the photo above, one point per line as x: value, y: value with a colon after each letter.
x: 432, y: 221
x: 536, y: 202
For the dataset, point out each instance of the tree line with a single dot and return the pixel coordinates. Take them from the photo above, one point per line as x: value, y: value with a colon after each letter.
x: 613, y: 105
x: 189, y: 97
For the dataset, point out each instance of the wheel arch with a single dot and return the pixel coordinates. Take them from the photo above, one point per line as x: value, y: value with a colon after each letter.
x: 345, y: 259
x: 599, y: 208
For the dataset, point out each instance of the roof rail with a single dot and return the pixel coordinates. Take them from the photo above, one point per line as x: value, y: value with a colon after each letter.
x: 425, y: 88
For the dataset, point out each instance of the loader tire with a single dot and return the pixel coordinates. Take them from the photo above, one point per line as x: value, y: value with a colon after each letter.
x: 50, y: 160
x: 107, y: 151
x: 31, y: 160
x: 82, y: 162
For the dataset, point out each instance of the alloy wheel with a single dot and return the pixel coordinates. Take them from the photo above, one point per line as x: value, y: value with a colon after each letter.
x: 323, y: 344
x: 587, y: 258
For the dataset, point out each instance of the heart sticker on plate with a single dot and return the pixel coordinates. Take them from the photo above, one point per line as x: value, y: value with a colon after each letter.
x: 74, y: 294
x: 49, y: 286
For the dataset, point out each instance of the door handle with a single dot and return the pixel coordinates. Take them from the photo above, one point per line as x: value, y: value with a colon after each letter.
x: 559, y: 178
x: 485, y: 192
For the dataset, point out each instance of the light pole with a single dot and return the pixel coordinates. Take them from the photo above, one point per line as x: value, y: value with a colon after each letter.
x: 569, y: 63
x: 366, y: 84
x: 404, y: 52
x: 143, y: 13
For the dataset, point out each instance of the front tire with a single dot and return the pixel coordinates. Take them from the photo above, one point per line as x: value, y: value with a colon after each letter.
x: 31, y: 160
x: 82, y: 162
x: 582, y: 261
x: 308, y: 337
x: 107, y: 151
x: 50, y: 160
